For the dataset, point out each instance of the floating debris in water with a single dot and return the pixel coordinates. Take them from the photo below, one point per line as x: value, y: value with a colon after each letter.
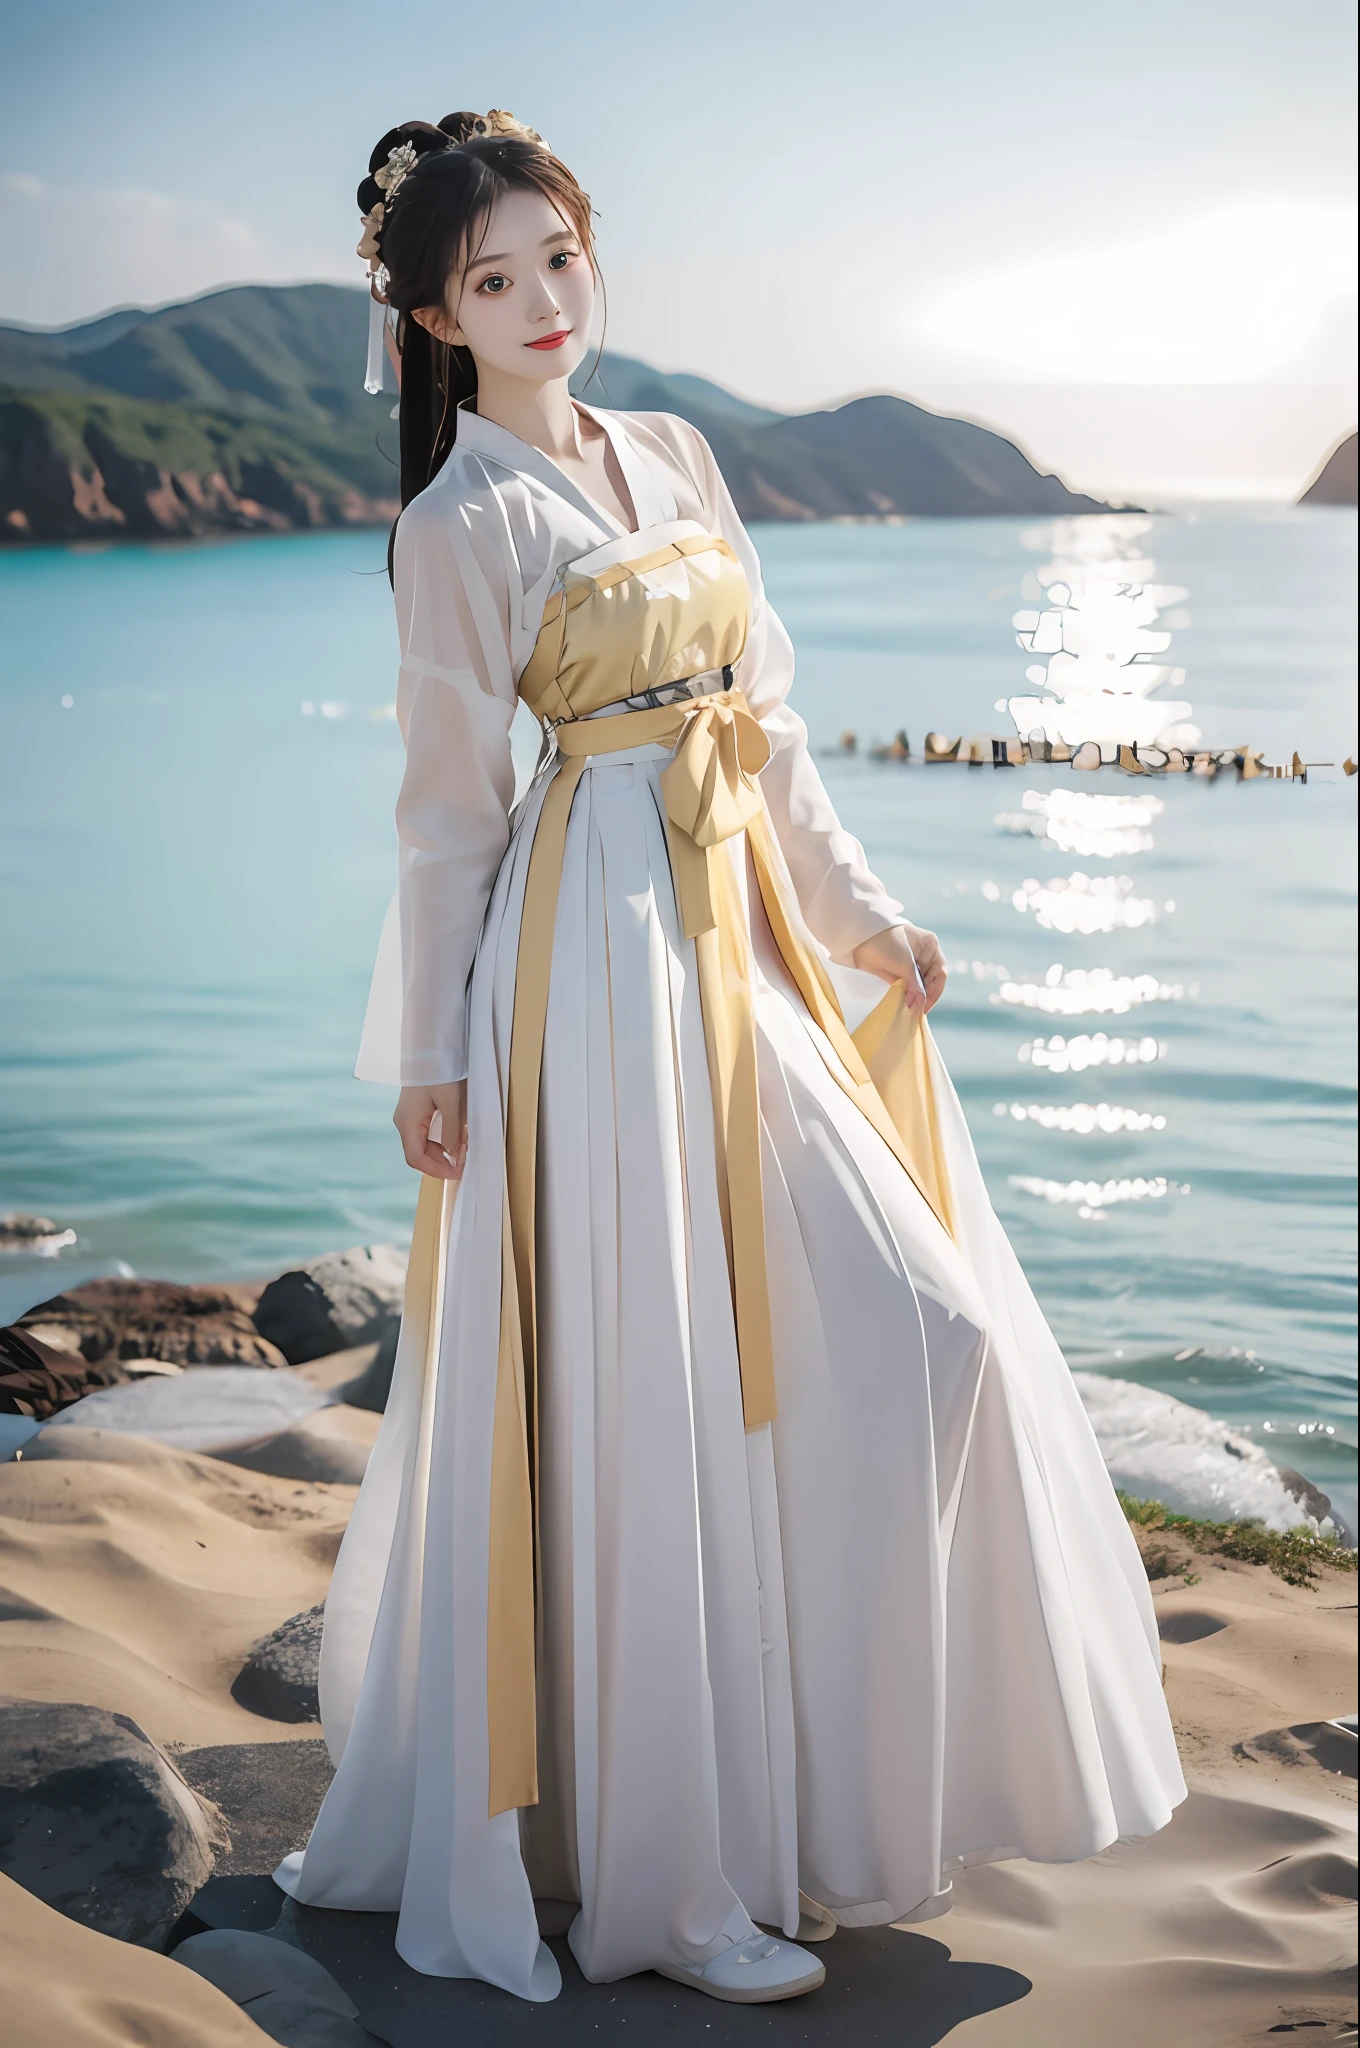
x: 1134, y: 757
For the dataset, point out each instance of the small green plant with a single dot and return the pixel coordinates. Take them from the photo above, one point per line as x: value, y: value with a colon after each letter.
x: 1295, y: 1557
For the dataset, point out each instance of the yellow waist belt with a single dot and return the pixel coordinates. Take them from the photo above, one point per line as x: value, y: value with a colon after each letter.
x: 711, y: 794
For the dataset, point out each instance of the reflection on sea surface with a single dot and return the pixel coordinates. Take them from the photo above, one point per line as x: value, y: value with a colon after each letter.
x: 1081, y: 903
x: 1073, y: 1055
x: 1083, y: 991
x: 1097, y: 630
x: 1095, y: 827
x: 1082, y: 1117
x: 1099, y: 633
x: 1092, y: 1198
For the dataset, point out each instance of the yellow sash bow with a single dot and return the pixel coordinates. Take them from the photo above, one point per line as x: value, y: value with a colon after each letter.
x: 711, y: 794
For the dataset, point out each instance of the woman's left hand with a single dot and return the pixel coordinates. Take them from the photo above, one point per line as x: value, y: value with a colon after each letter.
x: 907, y: 954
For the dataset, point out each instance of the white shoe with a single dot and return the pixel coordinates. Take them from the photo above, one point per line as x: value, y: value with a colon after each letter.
x: 755, y: 1972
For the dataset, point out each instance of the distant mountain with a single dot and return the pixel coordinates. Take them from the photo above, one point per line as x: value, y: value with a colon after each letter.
x: 244, y: 410
x: 1335, y: 483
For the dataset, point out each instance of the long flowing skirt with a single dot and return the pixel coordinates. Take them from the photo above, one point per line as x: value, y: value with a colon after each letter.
x: 901, y: 1629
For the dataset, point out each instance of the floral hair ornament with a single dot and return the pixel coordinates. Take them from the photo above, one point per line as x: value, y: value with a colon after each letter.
x: 504, y: 127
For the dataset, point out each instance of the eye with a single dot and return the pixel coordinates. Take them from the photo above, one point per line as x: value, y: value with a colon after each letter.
x: 561, y: 259
x: 494, y: 284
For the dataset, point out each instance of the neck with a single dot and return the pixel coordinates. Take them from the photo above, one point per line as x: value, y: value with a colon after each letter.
x: 540, y: 414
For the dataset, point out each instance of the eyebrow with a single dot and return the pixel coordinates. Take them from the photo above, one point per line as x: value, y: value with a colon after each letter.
x: 503, y: 255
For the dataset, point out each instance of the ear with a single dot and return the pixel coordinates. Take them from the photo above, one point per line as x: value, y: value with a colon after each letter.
x: 436, y: 321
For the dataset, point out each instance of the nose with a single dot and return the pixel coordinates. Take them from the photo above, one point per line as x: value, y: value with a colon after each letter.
x: 546, y: 306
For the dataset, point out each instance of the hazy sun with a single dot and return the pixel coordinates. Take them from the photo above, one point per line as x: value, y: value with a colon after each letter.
x: 1222, y: 297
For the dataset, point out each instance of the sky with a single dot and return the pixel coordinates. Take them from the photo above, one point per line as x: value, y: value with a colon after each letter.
x: 1124, y: 235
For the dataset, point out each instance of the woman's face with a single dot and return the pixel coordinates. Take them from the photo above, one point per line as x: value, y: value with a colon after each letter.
x: 524, y: 303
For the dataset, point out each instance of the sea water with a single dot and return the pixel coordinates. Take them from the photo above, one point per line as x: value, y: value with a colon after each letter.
x: 1150, y: 1015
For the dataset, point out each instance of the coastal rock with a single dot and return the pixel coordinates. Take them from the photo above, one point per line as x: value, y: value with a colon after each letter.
x: 97, y: 1823
x: 38, y: 1378
x: 218, y: 1409
x: 270, y: 1793
x: 37, y: 1235
x: 279, y: 1677
x: 1158, y: 1448
x: 74, y: 466
x: 1336, y: 481
x: 288, y: 1993
x: 370, y: 1388
x: 188, y: 1325
x: 333, y: 1303
x: 1316, y: 1505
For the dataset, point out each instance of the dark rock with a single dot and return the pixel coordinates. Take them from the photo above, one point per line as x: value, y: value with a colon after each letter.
x: 1336, y: 481
x: 270, y: 1794
x: 252, y: 1904
x: 333, y: 1303
x: 286, y: 1992
x: 33, y: 1234
x: 95, y: 1822
x: 279, y: 1677
x: 38, y: 1379
x: 155, y: 1319
x: 1314, y: 1502
x: 372, y: 1386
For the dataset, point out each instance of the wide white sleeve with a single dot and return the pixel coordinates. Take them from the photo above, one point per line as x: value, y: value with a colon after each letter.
x: 455, y: 704
x: 841, y: 898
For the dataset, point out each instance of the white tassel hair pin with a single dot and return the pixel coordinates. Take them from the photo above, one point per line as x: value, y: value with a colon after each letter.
x: 378, y: 311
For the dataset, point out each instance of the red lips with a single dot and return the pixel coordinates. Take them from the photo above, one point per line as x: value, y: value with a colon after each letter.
x: 551, y: 340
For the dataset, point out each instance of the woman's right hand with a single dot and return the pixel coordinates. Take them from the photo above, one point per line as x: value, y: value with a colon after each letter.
x: 416, y: 1109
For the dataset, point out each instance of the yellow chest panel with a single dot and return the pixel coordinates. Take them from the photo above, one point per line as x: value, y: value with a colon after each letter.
x: 618, y: 627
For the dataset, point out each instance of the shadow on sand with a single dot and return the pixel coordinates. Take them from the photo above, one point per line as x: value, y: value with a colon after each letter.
x: 881, y: 1986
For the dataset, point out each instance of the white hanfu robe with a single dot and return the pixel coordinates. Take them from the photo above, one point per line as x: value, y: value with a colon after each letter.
x: 902, y: 1628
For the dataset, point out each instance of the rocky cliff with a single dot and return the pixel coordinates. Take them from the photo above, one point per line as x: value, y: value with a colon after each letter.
x: 1335, y: 483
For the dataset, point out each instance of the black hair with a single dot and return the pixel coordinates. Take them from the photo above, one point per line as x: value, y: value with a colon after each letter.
x: 430, y: 228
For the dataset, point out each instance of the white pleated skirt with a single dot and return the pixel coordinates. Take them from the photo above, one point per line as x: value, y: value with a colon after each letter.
x: 903, y: 1628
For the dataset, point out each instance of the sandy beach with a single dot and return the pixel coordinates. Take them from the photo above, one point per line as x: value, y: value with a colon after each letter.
x: 138, y: 1578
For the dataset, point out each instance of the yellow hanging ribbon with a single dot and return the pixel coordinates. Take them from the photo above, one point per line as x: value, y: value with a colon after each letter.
x: 711, y: 794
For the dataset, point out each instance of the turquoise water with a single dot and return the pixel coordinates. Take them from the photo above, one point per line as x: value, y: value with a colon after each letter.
x: 194, y: 868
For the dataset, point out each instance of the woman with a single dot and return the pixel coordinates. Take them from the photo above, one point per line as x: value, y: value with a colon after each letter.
x: 735, y: 1553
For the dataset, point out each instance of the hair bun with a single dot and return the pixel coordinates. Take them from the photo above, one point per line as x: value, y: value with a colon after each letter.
x: 421, y: 137
x: 459, y: 128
